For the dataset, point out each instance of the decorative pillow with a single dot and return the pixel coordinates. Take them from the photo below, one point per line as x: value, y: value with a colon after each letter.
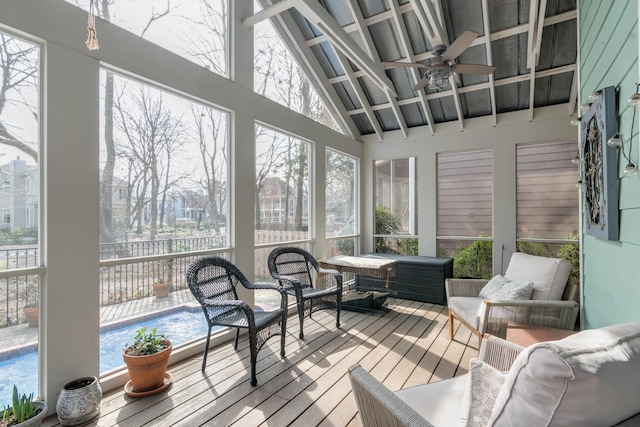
x: 549, y: 275
x: 502, y: 288
x: 588, y: 379
x: 483, y: 385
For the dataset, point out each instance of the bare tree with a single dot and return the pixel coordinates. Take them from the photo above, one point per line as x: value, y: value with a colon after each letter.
x: 106, y: 183
x: 206, y: 42
x: 212, y: 127
x: 278, y: 77
x: 267, y: 163
x: 152, y: 133
x: 340, y: 186
x: 19, y: 76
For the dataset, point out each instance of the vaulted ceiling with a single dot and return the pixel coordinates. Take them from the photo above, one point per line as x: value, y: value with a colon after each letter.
x: 343, y: 46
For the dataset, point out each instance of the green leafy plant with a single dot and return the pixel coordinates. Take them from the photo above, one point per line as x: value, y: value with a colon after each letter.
x: 21, y: 410
x: 386, y: 223
x: 146, y: 343
x: 474, y: 260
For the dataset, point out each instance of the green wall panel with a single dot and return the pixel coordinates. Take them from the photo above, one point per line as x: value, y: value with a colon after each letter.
x: 609, y: 57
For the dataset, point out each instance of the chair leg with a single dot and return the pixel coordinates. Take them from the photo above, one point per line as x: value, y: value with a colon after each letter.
x: 206, y: 350
x: 235, y: 343
x: 450, y: 325
x: 283, y: 333
x: 301, y: 317
x: 254, y: 356
x: 337, y: 316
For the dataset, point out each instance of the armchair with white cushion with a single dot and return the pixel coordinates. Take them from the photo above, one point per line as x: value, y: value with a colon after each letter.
x: 534, y: 290
x: 588, y: 379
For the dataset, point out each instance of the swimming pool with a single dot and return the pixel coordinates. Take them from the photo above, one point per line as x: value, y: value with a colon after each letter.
x: 180, y: 326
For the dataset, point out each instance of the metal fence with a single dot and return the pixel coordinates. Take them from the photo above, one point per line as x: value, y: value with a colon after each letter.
x: 130, y: 279
x: 118, y: 283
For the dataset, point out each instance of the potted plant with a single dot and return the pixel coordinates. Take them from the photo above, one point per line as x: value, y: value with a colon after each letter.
x: 31, y: 299
x: 24, y: 411
x: 163, y: 285
x: 79, y: 401
x: 147, y: 359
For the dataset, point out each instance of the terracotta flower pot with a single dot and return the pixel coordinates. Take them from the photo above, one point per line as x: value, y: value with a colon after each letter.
x: 79, y: 401
x: 161, y: 290
x: 31, y: 313
x: 147, y: 372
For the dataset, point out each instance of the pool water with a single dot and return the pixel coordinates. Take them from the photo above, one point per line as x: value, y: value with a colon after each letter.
x: 178, y: 326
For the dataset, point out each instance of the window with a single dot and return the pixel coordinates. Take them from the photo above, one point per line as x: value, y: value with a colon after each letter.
x: 164, y: 180
x: 278, y: 77
x: 341, y: 196
x: 396, y: 206
x: 465, y: 211
x: 282, y: 195
x: 548, y: 206
x: 6, y: 185
x: 197, y: 30
x: 19, y: 201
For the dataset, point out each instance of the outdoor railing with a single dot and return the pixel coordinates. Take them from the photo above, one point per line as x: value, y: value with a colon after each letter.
x: 129, y: 269
x: 123, y: 281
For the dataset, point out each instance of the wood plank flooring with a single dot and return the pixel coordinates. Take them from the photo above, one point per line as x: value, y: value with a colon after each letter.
x: 407, y: 346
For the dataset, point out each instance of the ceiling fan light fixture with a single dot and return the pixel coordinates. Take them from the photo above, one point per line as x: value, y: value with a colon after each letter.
x: 438, y: 78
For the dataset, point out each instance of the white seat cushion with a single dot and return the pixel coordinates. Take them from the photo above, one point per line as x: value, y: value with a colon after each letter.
x: 588, y: 379
x: 439, y: 402
x: 549, y: 275
x: 467, y: 308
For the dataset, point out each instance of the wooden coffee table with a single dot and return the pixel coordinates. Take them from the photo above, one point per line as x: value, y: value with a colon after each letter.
x: 526, y: 335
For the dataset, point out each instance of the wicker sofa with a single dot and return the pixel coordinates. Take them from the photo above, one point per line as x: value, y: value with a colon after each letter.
x: 591, y: 378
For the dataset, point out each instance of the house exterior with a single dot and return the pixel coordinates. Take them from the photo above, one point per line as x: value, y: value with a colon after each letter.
x: 19, y: 200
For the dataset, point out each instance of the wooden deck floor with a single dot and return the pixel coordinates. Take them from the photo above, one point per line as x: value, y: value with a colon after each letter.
x: 407, y: 346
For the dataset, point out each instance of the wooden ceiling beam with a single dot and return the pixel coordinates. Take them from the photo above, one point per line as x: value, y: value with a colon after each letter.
x: 363, y: 29
x: 415, y: 73
x: 343, y: 42
x: 431, y: 23
x: 488, y: 49
x: 268, y: 12
x: 478, y: 86
x: 362, y: 97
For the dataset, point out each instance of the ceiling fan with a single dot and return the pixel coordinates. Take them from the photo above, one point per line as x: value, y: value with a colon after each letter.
x: 442, y: 65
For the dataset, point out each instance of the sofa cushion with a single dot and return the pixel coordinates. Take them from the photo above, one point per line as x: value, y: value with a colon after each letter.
x: 502, y: 288
x: 483, y: 385
x: 549, y: 275
x: 591, y: 378
x: 438, y: 402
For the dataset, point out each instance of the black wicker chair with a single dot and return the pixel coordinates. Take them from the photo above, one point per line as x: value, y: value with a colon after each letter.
x: 293, y: 267
x: 213, y: 282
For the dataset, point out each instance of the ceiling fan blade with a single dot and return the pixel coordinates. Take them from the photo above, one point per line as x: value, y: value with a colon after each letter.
x: 422, y: 83
x: 473, y: 68
x: 404, y: 64
x: 459, y: 45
